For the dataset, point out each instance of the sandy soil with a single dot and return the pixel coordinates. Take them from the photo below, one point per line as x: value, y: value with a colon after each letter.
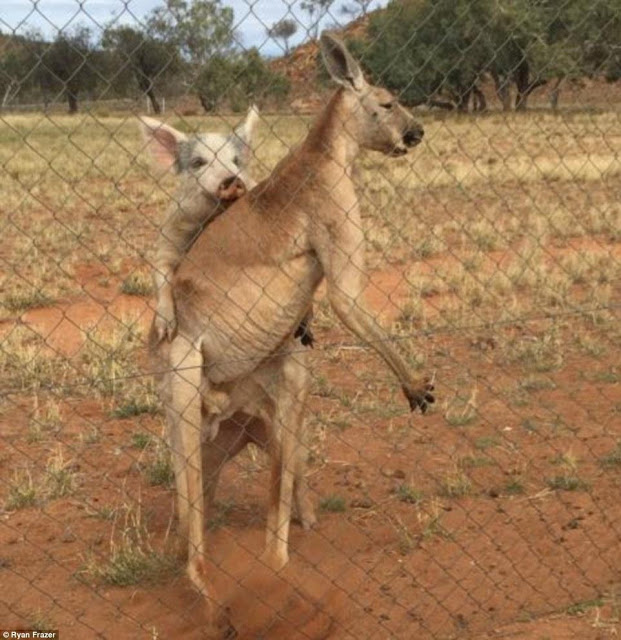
x: 494, y: 563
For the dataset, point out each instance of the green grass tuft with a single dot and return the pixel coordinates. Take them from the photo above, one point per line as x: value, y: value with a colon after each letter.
x: 333, y: 503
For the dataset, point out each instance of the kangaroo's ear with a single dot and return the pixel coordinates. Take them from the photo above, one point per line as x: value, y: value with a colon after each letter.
x: 164, y: 142
x: 340, y: 64
x: 245, y: 132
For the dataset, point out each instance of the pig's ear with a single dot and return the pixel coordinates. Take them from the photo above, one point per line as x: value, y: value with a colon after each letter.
x: 164, y: 142
x: 244, y: 134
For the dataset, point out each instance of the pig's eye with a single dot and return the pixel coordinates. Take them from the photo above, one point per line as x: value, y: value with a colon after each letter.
x: 197, y: 163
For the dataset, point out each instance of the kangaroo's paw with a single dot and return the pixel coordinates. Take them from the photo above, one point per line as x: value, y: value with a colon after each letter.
x: 420, y: 397
x: 275, y: 559
x: 308, y: 518
x: 304, y: 333
x: 306, y: 512
x: 165, y: 327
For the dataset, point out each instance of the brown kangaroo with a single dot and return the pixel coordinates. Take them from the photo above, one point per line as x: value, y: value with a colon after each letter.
x: 246, y: 284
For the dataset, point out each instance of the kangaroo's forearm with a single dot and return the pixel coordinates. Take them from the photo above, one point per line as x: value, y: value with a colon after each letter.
x: 360, y: 322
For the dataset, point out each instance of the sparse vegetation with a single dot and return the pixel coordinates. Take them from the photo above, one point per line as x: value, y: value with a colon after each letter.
x: 461, y: 411
x: 159, y: 468
x: 579, y: 608
x: 541, y: 353
x: 91, y: 435
x: 455, y: 484
x: 408, y: 494
x: 139, y: 398
x: 109, y: 360
x: 141, y: 440
x: 25, y: 298
x: 40, y: 621
x: 131, y: 559
x: 27, y: 363
x: 612, y: 459
x: 60, y: 479
x: 475, y: 462
x: 486, y: 442
x: 567, y: 482
x: 429, y: 518
x: 57, y: 480
x: 138, y: 283
x: 44, y: 419
x: 219, y: 514
x: 333, y: 504
x: 22, y: 491
x: 514, y: 487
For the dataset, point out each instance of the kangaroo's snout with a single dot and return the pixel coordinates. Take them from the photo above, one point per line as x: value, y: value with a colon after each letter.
x: 413, y: 135
x: 231, y: 188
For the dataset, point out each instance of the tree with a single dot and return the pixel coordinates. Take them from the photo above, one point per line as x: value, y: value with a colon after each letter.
x: 68, y: 66
x: 15, y: 72
x: 200, y: 29
x: 429, y: 52
x: 316, y: 10
x: 283, y: 30
x: 141, y: 59
x: 239, y: 80
x: 258, y: 81
x: 599, y: 40
x: 516, y: 49
x: 439, y: 51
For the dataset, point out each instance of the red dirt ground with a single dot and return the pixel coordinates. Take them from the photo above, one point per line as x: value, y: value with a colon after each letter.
x: 494, y: 563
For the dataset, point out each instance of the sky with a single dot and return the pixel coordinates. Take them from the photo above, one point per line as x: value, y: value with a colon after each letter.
x: 251, y: 16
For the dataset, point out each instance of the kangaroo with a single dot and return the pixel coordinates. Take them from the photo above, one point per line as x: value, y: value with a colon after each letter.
x: 214, y: 171
x: 245, y: 285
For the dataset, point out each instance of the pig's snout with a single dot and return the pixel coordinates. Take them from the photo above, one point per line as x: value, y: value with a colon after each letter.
x: 231, y: 188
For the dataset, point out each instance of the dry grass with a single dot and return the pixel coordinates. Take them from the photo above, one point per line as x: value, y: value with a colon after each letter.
x: 498, y: 245
x: 109, y: 364
x: 27, y: 363
x: 22, y: 491
x: 82, y: 190
x: 57, y: 480
x: 132, y: 559
x: 138, y: 283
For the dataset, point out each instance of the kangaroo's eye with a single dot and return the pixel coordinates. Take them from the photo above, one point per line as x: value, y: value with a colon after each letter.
x: 197, y: 163
x: 387, y: 105
x: 236, y: 161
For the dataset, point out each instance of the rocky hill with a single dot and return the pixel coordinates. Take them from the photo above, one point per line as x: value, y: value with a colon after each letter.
x: 300, y: 67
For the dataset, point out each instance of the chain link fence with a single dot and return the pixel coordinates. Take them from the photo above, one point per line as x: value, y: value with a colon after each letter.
x: 492, y: 258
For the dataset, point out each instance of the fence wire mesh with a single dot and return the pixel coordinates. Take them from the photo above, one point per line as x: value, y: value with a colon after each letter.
x: 492, y: 258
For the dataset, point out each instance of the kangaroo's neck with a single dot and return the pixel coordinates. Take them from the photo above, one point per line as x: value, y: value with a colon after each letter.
x: 323, y: 161
x: 333, y: 137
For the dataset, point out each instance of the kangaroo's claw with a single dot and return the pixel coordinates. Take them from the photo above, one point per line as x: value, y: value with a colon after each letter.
x: 420, y: 397
x: 165, y: 328
x: 305, y: 335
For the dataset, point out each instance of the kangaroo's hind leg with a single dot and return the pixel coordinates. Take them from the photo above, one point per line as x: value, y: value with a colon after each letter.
x: 285, y: 448
x: 187, y: 388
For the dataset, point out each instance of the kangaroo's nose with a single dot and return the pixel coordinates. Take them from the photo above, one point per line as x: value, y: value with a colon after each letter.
x: 413, y: 135
x: 231, y: 188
